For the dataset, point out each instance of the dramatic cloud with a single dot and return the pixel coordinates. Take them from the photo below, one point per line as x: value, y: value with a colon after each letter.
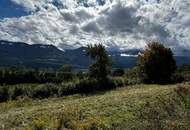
x: 119, y: 24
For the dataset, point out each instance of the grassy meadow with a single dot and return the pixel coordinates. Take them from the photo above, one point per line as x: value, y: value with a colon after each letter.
x: 134, y: 107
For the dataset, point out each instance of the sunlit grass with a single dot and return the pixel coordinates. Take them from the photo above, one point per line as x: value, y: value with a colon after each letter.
x: 131, y: 107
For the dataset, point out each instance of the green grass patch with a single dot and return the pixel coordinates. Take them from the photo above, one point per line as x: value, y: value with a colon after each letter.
x: 144, y: 107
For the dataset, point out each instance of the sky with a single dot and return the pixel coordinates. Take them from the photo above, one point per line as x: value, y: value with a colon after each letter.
x: 118, y: 24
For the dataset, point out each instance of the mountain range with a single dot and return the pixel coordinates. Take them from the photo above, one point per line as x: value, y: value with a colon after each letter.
x: 48, y: 56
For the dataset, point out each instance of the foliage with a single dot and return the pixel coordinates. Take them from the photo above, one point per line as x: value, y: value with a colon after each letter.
x: 102, y: 63
x: 17, y: 76
x: 44, y: 91
x: 81, y: 75
x: 83, y: 86
x: 16, y: 91
x: 184, y: 72
x: 132, y: 72
x: 118, y: 72
x: 157, y: 64
x: 66, y: 68
x: 4, y: 96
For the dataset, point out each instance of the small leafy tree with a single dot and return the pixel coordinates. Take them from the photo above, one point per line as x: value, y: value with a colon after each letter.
x: 66, y: 68
x: 156, y: 63
x: 66, y: 73
x: 102, y: 62
x: 118, y: 72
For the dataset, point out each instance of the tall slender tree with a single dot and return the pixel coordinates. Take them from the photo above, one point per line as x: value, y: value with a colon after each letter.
x: 102, y: 62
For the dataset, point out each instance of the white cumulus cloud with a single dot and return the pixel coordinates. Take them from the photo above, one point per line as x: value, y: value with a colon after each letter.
x: 119, y: 24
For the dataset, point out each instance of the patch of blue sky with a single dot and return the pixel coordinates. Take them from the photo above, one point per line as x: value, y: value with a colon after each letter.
x: 8, y: 9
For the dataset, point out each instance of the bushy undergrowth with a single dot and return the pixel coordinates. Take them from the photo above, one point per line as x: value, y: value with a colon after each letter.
x: 184, y: 72
x: 44, y: 91
x: 4, y: 95
x: 83, y: 86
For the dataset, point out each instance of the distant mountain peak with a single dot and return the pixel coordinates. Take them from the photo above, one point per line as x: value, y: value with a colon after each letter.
x: 49, y: 56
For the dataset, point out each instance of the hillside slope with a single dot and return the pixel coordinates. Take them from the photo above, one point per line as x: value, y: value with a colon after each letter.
x: 140, y: 107
x: 37, y: 56
x: 48, y: 56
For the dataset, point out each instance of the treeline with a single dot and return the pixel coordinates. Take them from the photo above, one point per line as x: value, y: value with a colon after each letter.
x: 17, y: 75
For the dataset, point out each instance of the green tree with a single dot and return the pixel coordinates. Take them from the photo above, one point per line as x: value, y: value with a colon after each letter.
x: 66, y: 68
x: 156, y: 63
x: 102, y: 62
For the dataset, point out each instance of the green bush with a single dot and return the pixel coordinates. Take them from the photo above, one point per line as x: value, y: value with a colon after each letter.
x: 118, y: 72
x: 132, y: 72
x: 65, y: 76
x: 4, y: 94
x: 184, y: 72
x: 82, y: 86
x: 67, y: 88
x: 88, y: 86
x: 123, y: 81
x: 16, y: 92
x: 44, y: 91
x: 119, y: 81
x: 177, y: 78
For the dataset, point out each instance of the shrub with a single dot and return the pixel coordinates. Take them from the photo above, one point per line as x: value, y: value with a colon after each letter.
x: 16, y: 92
x: 82, y: 86
x: 67, y: 88
x: 81, y: 75
x: 66, y: 68
x: 157, y: 64
x: 41, y: 91
x: 177, y: 78
x: 118, y: 72
x: 65, y: 76
x: 184, y: 72
x: 119, y: 81
x: 88, y: 86
x: 132, y: 72
x: 4, y: 95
